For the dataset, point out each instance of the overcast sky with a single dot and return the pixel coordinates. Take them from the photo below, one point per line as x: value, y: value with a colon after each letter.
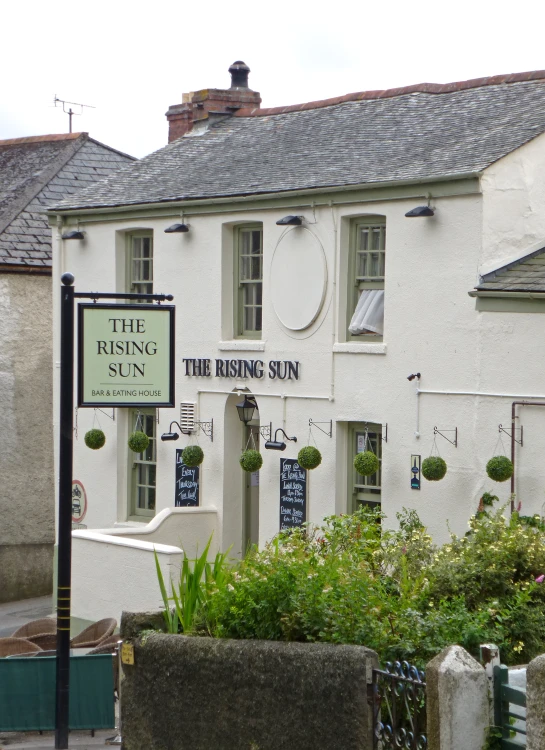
x: 132, y: 60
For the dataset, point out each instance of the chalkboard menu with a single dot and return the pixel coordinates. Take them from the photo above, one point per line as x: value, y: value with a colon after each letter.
x: 293, y: 494
x: 187, y: 484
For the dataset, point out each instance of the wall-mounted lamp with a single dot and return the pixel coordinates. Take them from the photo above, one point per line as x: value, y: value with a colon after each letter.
x: 177, y: 228
x: 74, y: 234
x: 415, y: 375
x: 275, y: 445
x: 246, y: 409
x: 172, y: 435
x: 292, y: 221
x: 420, y: 211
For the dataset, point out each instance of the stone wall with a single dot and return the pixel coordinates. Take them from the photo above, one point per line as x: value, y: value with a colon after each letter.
x: 207, y: 694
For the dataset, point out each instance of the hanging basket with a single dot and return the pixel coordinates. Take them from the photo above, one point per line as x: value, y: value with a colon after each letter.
x: 192, y: 455
x: 366, y: 463
x: 434, y: 468
x: 138, y: 441
x: 251, y: 460
x: 94, y: 439
x: 309, y: 457
x: 500, y: 468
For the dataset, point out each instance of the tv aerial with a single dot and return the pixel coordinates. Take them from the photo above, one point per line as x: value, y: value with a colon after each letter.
x: 70, y: 112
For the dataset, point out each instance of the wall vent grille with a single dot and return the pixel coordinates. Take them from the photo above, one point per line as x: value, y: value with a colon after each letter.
x: 187, y: 416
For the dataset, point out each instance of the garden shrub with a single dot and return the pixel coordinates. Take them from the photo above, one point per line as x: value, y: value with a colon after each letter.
x: 352, y: 581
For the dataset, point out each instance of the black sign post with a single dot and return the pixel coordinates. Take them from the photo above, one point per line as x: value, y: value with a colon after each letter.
x: 64, y: 565
x: 293, y: 494
x: 186, y: 494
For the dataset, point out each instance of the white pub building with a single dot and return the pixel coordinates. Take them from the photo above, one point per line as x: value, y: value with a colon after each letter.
x: 360, y: 272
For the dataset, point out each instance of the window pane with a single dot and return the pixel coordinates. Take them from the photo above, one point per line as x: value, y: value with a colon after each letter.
x: 258, y: 319
x: 250, y: 275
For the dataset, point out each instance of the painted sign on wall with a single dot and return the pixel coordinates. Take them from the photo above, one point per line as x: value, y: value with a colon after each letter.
x: 125, y: 355
x: 293, y: 494
x: 186, y: 494
x: 79, y: 501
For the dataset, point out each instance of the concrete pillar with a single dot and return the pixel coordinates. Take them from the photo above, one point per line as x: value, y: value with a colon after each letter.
x: 535, y: 704
x: 490, y: 658
x: 457, y: 701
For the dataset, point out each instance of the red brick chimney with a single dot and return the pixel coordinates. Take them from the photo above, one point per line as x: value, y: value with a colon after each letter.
x: 196, y: 105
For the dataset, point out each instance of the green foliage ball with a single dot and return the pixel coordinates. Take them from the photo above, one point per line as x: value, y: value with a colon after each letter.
x: 366, y: 463
x: 138, y: 441
x: 192, y: 455
x: 309, y: 457
x: 251, y: 460
x: 500, y: 468
x: 94, y: 439
x: 434, y: 468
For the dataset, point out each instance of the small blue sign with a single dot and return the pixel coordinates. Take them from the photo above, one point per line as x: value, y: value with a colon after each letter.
x: 415, y: 472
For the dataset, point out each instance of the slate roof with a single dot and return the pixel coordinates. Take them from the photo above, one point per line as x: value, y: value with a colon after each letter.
x: 36, y: 172
x: 524, y: 275
x: 421, y: 132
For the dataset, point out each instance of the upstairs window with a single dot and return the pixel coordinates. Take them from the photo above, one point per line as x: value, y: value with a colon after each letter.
x: 140, y: 264
x: 249, y: 281
x: 366, y: 278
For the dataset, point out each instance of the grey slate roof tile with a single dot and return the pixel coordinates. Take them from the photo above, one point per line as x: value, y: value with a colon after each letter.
x: 524, y: 275
x: 34, y: 173
x: 420, y: 135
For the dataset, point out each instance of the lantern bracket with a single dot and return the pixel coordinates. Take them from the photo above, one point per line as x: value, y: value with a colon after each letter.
x: 207, y: 428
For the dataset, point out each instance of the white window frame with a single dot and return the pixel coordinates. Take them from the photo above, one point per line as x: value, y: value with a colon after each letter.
x: 248, y: 302
x: 139, y: 274
x: 143, y: 466
x: 364, y: 490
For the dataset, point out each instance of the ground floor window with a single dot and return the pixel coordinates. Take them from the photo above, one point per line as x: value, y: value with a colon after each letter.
x: 364, y: 490
x: 143, y: 465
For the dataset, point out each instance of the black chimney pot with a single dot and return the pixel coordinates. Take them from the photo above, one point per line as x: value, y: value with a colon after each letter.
x: 239, y: 75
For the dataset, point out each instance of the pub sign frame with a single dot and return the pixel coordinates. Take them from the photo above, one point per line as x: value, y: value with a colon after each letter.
x: 85, y: 360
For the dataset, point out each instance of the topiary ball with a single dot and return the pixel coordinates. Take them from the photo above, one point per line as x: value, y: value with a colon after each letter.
x: 94, y: 439
x: 434, y: 468
x: 251, y: 460
x: 192, y: 455
x: 138, y: 441
x: 500, y: 468
x: 309, y: 457
x: 366, y: 463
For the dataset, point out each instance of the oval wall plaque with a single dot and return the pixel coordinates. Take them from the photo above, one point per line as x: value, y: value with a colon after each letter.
x: 298, y: 278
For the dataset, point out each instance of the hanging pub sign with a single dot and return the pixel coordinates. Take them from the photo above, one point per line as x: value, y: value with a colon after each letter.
x: 293, y: 494
x: 186, y: 494
x: 125, y: 355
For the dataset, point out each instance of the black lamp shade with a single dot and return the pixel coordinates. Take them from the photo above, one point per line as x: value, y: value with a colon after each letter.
x: 177, y: 228
x: 275, y: 445
x: 73, y: 235
x: 246, y: 409
x: 420, y: 211
x: 294, y: 221
x: 169, y: 436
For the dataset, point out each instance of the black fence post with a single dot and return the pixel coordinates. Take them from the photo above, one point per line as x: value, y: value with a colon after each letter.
x: 65, y: 512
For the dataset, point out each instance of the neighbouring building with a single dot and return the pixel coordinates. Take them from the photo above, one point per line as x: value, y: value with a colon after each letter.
x: 34, y: 173
x: 367, y: 268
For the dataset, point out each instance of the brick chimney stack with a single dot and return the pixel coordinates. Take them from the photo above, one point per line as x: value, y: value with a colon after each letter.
x: 196, y: 105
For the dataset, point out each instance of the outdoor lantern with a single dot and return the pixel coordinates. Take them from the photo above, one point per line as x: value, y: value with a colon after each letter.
x: 177, y: 228
x: 420, y: 211
x: 246, y: 409
x: 275, y: 445
x: 169, y: 436
x: 74, y: 234
x: 293, y: 221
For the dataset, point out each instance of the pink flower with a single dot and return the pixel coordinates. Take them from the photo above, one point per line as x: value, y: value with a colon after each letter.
x: 519, y: 507
x: 540, y: 578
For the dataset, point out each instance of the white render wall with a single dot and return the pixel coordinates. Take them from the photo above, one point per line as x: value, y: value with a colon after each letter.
x: 431, y: 327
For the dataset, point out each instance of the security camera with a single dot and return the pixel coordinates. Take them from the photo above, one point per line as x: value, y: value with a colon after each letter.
x: 413, y: 376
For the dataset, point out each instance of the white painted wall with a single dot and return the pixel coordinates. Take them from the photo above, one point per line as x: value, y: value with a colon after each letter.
x: 431, y: 327
x: 111, y: 575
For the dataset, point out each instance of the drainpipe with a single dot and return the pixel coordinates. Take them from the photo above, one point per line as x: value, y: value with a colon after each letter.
x: 513, y: 422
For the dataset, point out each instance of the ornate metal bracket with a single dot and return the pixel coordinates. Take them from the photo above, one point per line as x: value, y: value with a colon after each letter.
x: 452, y: 442
x: 510, y: 433
x: 207, y: 428
x: 317, y: 424
x: 266, y: 431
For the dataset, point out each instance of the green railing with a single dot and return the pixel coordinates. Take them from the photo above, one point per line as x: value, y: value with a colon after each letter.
x: 509, y: 721
x: 27, y: 693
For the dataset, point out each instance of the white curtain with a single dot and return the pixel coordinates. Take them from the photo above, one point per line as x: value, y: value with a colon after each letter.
x: 369, y: 312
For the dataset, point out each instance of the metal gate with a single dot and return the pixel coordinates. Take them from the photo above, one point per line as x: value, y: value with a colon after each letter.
x: 399, y: 707
x: 512, y: 723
